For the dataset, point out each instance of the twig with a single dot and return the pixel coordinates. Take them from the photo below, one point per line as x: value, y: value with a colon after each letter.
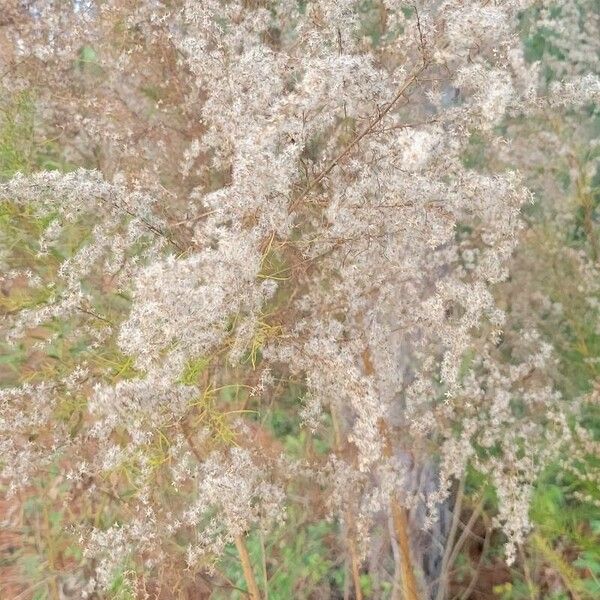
x: 486, y: 543
x: 369, y: 129
x: 93, y: 314
x: 264, y: 566
x: 421, y: 38
x: 466, y: 532
x: 149, y: 226
x: 349, y: 518
x: 240, y: 544
x: 443, y: 581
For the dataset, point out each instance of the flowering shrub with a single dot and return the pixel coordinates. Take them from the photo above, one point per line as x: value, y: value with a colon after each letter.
x: 267, y: 193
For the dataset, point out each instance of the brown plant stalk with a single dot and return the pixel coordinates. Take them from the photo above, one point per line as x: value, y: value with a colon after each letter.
x: 352, y: 550
x: 253, y: 591
x: 400, y: 520
x: 240, y: 544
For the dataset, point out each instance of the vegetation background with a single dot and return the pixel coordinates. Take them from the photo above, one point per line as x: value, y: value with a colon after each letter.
x: 40, y: 555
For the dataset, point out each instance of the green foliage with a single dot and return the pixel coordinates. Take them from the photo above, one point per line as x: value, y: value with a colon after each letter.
x: 21, y: 148
x: 121, y: 587
x: 17, y: 144
x: 87, y: 62
x: 298, y: 563
x: 193, y: 370
x: 474, y: 157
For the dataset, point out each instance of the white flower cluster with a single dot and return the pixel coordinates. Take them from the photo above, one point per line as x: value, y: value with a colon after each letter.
x: 324, y: 222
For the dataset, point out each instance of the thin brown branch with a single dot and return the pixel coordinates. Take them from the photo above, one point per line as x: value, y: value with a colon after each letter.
x: 486, y: 544
x: 151, y: 227
x: 349, y: 518
x: 240, y: 544
x: 253, y: 590
x: 400, y: 520
x: 366, y: 131
x: 422, y: 44
x: 446, y: 559
x: 355, y: 564
x: 466, y: 532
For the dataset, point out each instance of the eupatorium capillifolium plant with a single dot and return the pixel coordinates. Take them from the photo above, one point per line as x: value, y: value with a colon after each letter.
x: 275, y: 192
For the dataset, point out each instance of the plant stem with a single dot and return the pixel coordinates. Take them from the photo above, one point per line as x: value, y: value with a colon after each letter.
x: 253, y: 590
x: 355, y: 569
x: 400, y: 520
x: 264, y: 566
x: 466, y: 531
x: 366, y: 131
x: 446, y: 563
x: 527, y: 573
x: 404, y: 566
x: 240, y: 544
x: 486, y: 544
x: 349, y: 518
